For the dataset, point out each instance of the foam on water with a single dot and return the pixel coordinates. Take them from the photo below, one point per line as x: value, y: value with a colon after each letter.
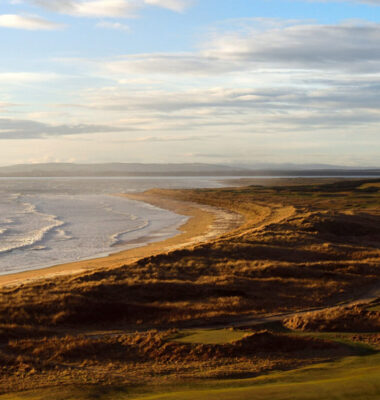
x: 117, y: 238
x: 45, y: 222
x: 27, y: 228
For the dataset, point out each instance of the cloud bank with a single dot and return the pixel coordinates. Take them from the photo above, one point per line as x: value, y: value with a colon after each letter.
x: 251, y: 87
x: 31, y: 22
x: 303, y: 46
x: 25, y: 129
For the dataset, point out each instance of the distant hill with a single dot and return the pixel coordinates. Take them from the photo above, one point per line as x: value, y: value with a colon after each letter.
x: 299, y: 167
x: 117, y: 169
x: 136, y: 170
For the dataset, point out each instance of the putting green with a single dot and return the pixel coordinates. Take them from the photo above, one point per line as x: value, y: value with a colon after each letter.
x: 214, y: 336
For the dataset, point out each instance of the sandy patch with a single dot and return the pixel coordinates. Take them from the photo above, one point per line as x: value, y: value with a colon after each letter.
x: 205, y: 223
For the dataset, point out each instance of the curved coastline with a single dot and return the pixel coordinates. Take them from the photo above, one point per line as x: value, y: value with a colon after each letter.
x: 204, y: 223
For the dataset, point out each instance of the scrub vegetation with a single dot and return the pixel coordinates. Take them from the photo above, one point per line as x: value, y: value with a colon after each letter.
x: 165, y: 323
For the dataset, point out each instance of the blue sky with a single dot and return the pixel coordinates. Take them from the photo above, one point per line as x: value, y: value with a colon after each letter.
x: 190, y: 81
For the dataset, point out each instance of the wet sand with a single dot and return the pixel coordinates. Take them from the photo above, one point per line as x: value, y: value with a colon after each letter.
x: 204, y: 223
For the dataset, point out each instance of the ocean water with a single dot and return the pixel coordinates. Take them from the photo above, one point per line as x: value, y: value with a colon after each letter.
x: 49, y: 221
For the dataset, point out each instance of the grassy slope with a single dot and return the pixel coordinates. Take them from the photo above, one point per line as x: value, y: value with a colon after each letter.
x: 351, y: 378
x: 253, y: 263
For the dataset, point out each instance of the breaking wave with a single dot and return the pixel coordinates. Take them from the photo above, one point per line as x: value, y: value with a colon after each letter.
x: 16, y: 237
x: 116, y: 239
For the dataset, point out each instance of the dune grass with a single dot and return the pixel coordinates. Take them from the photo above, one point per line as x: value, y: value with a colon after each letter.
x: 300, y: 247
x: 350, y: 378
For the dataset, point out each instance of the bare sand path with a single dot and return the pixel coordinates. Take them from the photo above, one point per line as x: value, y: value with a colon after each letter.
x: 204, y: 223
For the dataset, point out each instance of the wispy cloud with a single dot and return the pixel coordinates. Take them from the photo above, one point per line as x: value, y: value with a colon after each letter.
x: 4, y: 106
x: 262, y: 86
x: 174, y: 5
x: 27, y: 77
x: 93, y: 8
x: 353, y: 47
x: 301, y: 45
x: 108, y: 8
x: 163, y: 139
x: 26, y: 129
x: 113, y: 25
x: 28, y: 22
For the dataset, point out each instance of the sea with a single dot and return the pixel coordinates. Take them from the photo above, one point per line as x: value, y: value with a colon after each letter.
x: 50, y: 221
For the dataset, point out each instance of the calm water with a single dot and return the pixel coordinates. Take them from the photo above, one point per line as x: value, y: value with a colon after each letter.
x: 48, y: 221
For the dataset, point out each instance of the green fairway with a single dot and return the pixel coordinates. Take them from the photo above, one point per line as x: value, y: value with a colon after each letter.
x: 212, y: 336
x: 374, y: 308
x: 351, y: 378
x: 370, y: 185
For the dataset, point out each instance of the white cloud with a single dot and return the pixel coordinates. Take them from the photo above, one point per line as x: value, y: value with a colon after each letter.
x: 177, y: 138
x: 113, y: 25
x: 29, y: 22
x: 108, y: 8
x: 4, y: 106
x: 350, y: 47
x: 266, y: 110
x: 18, y: 78
x: 300, y: 45
x: 268, y: 87
x: 27, y: 129
x: 289, y: 77
x: 170, y: 63
x: 174, y: 5
x: 93, y: 8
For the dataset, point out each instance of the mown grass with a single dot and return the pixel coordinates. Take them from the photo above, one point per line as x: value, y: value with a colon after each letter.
x: 351, y: 378
x: 370, y: 185
x: 354, y: 378
x: 374, y: 306
x: 212, y: 336
x: 344, y: 338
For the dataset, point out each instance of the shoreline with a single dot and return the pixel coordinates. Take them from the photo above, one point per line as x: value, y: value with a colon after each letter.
x: 203, y: 223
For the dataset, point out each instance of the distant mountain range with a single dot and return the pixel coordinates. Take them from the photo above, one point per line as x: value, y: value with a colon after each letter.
x: 298, y: 167
x: 136, y: 170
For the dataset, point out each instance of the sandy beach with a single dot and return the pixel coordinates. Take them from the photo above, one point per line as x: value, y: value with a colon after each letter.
x: 204, y: 223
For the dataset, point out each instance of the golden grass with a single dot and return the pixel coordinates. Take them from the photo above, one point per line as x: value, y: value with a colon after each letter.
x: 152, y: 357
x: 299, y: 247
x: 338, y: 319
x: 290, y: 245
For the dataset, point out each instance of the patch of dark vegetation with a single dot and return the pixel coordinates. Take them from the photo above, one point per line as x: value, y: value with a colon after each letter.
x: 339, y: 319
x: 126, y: 358
x: 343, y: 225
x: 158, y: 347
x: 8, y: 332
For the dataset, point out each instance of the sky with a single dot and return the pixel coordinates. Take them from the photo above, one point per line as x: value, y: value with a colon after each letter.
x: 211, y: 81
